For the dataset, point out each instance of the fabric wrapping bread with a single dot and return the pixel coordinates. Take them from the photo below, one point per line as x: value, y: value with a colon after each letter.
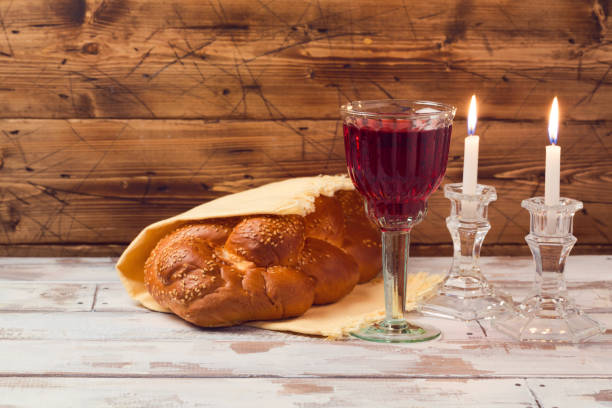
x: 289, y: 197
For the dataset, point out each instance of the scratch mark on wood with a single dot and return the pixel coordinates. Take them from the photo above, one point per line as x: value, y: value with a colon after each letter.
x: 128, y: 90
x: 599, y: 139
x: 157, y: 30
x: 507, y: 15
x: 525, y: 100
x: 591, y: 94
x: 17, y: 144
x: 409, y: 19
x: 303, y: 42
x: 49, y: 192
x: 139, y: 63
x: 18, y: 198
x: 179, y: 58
x: 383, y: 90
x: 533, y: 395
x: 521, y: 74
x: 509, y: 220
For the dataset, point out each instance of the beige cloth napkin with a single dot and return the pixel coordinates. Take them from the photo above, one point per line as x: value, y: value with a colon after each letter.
x: 294, y: 196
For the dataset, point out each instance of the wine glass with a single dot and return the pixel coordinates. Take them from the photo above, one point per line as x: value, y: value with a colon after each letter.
x: 396, y: 154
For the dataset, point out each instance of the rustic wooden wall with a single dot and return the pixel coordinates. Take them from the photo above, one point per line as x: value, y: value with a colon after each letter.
x: 116, y: 113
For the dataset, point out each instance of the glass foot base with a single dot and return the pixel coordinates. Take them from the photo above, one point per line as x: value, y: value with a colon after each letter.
x: 469, y: 297
x: 568, y: 325
x: 469, y: 308
x: 396, y: 332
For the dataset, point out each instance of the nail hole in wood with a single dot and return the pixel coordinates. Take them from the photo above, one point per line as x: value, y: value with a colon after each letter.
x: 517, y: 384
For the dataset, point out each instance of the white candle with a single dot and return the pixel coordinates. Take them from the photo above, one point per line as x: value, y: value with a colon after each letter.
x: 553, y: 159
x: 470, y: 164
x: 470, y: 152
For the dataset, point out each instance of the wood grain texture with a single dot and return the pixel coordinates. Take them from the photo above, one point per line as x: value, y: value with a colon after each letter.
x: 50, y: 296
x: 101, y: 181
x: 596, y: 393
x: 238, y: 59
x: 285, y: 392
x: 123, y: 339
x: 120, y: 113
x: 112, y: 357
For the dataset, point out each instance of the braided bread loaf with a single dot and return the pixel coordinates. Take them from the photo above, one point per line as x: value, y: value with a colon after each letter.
x: 225, y: 271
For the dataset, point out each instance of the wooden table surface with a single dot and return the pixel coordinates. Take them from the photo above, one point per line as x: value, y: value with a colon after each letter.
x: 71, y: 337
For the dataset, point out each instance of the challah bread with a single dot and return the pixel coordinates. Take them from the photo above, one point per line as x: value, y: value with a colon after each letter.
x: 221, y: 272
x: 361, y: 238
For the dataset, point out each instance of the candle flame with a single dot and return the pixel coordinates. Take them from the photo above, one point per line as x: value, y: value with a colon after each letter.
x: 471, y: 122
x: 553, y: 122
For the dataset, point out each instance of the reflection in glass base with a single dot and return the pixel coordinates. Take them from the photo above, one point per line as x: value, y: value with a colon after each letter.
x: 549, y: 320
x: 468, y: 298
x: 396, y: 332
x: 549, y: 314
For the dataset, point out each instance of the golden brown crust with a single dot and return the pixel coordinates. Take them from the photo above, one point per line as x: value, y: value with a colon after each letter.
x: 223, y: 272
x: 268, y: 239
x: 361, y: 237
x: 326, y: 222
x: 335, y: 272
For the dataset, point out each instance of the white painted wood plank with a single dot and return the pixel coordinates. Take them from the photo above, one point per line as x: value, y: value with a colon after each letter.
x: 233, y: 357
x: 579, y: 268
x: 58, y: 269
x: 561, y: 393
x: 30, y: 296
x: 124, y: 326
x: 260, y: 392
x: 161, y: 327
x: 112, y: 297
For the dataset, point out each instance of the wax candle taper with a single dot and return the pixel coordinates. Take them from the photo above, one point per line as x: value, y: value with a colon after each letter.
x: 553, y: 158
x: 470, y: 153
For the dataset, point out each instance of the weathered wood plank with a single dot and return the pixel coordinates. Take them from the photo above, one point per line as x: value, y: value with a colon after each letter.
x: 138, y: 326
x: 592, y: 297
x: 58, y: 269
x: 270, y: 392
x: 97, y: 250
x: 314, y: 358
x: 559, y: 393
x: 26, y: 296
x: 68, y: 58
x: 101, y: 181
x: 136, y: 344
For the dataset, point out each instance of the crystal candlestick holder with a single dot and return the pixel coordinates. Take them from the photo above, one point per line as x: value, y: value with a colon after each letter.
x: 465, y: 293
x: 548, y: 314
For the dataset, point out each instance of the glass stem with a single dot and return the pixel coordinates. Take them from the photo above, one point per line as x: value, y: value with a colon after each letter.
x: 395, y: 246
x: 550, y: 265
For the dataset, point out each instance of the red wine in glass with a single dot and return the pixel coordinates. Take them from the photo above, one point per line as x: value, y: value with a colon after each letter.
x: 394, y: 166
x: 396, y: 155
